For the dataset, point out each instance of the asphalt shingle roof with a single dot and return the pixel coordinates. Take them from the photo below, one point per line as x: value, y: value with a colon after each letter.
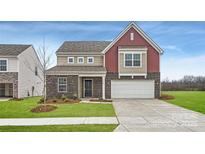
x: 83, y: 46
x: 12, y: 49
x: 77, y: 69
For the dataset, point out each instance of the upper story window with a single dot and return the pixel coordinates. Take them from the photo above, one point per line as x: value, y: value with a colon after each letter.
x: 3, y: 65
x: 90, y: 60
x: 132, y: 60
x: 131, y: 36
x: 80, y: 59
x: 36, y: 71
x: 70, y: 60
x: 62, y: 84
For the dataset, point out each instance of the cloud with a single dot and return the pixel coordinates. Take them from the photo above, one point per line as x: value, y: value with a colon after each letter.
x: 39, y: 27
x: 196, y: 31
x: 192, y: 60
x: 171, y: 47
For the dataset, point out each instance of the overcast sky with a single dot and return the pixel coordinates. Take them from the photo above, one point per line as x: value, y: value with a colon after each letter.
x: 183, y: 42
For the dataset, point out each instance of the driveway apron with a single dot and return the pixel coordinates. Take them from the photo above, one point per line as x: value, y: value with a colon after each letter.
x: 153, y: 115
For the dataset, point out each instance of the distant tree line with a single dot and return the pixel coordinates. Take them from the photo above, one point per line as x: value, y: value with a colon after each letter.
x: 187, y: 83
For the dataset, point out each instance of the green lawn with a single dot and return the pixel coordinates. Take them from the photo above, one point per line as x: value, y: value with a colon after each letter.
x: 59, y: 128
x: 21, y: 109
x: 193, y: 100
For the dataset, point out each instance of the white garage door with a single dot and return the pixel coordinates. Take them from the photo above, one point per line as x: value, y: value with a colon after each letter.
x: 132, y: 89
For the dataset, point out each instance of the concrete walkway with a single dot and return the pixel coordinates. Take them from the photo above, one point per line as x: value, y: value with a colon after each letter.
x: 57, y: 121
x: 156, y: 116
x: 3, y: 99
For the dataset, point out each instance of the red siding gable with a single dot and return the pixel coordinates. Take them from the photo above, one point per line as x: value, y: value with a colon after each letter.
x: 111, y: 56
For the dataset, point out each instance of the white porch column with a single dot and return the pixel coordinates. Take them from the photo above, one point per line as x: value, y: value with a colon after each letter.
x: 103, y: 87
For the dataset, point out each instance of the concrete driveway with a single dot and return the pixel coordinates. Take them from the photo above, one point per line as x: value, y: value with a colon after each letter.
x: 156, y: 116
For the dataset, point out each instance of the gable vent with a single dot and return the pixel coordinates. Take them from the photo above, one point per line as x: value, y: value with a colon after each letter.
x: 131, y: 36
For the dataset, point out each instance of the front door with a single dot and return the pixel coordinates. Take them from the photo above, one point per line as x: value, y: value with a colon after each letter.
x: 88, y: 88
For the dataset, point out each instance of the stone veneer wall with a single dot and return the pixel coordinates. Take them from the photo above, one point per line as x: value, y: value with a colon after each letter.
x: 114, y: 76
x: 156, y: 77
x: 52, y: 86
x: 10, y: 77
x: 108, y: 78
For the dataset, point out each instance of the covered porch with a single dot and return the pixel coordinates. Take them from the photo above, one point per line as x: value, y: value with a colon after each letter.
x: 91, y: 86
x: 80, y: 81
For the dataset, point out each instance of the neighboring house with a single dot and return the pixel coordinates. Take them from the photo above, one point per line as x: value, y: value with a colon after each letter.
x: 127, y: 67
x: 20, y: 73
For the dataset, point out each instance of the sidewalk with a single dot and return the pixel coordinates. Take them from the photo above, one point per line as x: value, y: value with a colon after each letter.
x: 57, y: 121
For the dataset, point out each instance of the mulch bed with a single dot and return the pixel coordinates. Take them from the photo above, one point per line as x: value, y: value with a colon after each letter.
x: 63, y: 101
x: 100, y: 100
x: 166, y: 97
x: 44, y: 108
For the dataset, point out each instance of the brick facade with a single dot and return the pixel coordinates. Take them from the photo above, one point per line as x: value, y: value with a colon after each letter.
x: 10, y: 77
x: 72, y: 86
x: 108, y: 78
x: 52, y: 86
x: 156, y: 77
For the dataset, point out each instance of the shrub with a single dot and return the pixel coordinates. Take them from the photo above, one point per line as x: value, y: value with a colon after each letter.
x: 41, y: 101
x: 63, y: 97
x: 54, y: 100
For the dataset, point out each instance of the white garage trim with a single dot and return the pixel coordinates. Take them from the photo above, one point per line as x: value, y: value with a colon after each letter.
x: 132, y: 89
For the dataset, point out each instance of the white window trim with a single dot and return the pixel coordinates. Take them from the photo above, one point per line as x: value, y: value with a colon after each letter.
x: 132, y: 60
x: 6, y: 64
x: 70, y: 58
x: 133, y: 74
x: 62, y: 84
x: 90, y: 58
x: 82, y: 61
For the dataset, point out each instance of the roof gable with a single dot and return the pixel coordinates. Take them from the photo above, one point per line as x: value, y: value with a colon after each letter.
x: 140, y: 31
x: 83, y: 46
x: 12, y: 49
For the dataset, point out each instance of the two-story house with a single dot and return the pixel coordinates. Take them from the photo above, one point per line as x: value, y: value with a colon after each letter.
x: 127, y: 67
x: 20, y: 71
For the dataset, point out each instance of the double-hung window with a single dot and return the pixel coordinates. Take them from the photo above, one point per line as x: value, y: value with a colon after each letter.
x: 90, y: 60
x: 70, y: 60
x: 81, y: 60
x: 132, y: 60
x: 62, y: 84
x: 3, y: 65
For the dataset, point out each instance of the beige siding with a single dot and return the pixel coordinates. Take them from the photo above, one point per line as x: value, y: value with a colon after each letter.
x: 27, y: 62
x: 63, y: 60
x: 12, y: 63
x: 123, y: 69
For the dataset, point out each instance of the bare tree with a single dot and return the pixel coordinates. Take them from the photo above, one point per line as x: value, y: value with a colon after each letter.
x: 45, y: 62
x: 45, y: 59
